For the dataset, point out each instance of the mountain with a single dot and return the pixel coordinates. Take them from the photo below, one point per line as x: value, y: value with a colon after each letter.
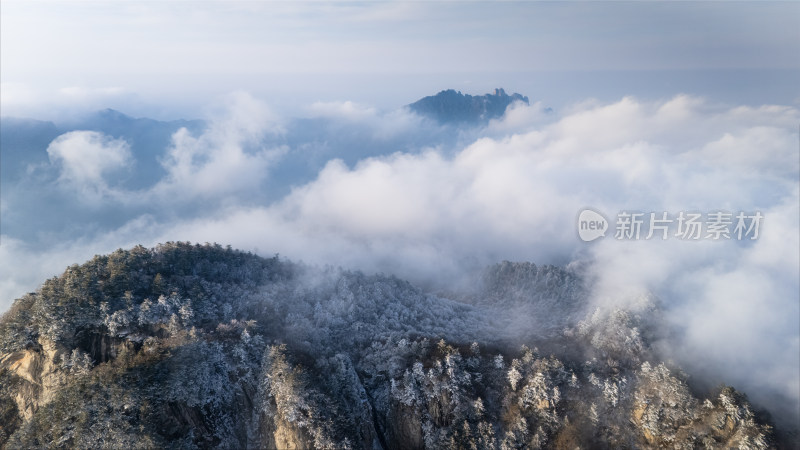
x: 24, y: 142
x: 148, y: 138
x: 187, y: 346
x: 452, y: 106
x: 144, y: 134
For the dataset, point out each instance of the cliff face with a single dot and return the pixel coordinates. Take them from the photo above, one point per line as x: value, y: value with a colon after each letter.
x: 190, y: 346
x: 36, y: 373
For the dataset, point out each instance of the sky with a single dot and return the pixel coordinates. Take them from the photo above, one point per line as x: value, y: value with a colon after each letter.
x: 143, y: 55
x: 643, y: 106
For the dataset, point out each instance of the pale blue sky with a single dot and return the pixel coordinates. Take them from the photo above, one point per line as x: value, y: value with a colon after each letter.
x: 58, y: 55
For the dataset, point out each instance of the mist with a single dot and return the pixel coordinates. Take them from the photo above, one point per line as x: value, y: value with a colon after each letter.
x: 439, y: 207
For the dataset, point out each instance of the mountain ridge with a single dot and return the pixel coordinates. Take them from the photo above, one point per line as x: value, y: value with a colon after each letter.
x: 188, y: 346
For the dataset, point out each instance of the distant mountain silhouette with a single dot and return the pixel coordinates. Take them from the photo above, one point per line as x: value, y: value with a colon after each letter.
x: 24, y: 142
x: 452, y: 106
x: 147, y: 137
x: 21, y: 144
x: 117, y: 124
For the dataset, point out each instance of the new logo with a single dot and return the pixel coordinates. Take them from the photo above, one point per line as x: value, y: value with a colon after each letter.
x: 591, y: 225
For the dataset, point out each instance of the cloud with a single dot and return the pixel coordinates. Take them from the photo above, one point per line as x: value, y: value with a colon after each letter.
x: 225, y: 158
x: 25, y: 266
x: 81, y: 94
x: 517, y: 196
x: 366, y: 120
x: 342, y: 110
x: 229, y: 158
x: 62, y: 103
x: 86, y: 158
x: 520, y: 117
x: 434, y: 216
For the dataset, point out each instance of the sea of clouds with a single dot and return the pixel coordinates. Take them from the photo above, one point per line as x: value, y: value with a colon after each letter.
x: 511, y: 189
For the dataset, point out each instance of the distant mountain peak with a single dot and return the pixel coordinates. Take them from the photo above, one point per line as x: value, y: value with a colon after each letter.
x: 110, y: 114
x: 451, y: 106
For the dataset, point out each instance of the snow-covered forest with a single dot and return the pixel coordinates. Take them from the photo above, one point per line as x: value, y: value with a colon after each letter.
x: 187, y: 346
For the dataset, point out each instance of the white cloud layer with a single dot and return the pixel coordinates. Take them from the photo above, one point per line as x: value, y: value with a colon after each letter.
x: 226, y: 158
x: 86, y: 158
x: 515, y: 195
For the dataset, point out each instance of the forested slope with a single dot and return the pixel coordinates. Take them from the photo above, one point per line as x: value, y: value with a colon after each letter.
x: 186, y: 346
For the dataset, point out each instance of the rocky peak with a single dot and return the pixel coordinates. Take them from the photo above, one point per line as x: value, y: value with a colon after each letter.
x: 451, y: 106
